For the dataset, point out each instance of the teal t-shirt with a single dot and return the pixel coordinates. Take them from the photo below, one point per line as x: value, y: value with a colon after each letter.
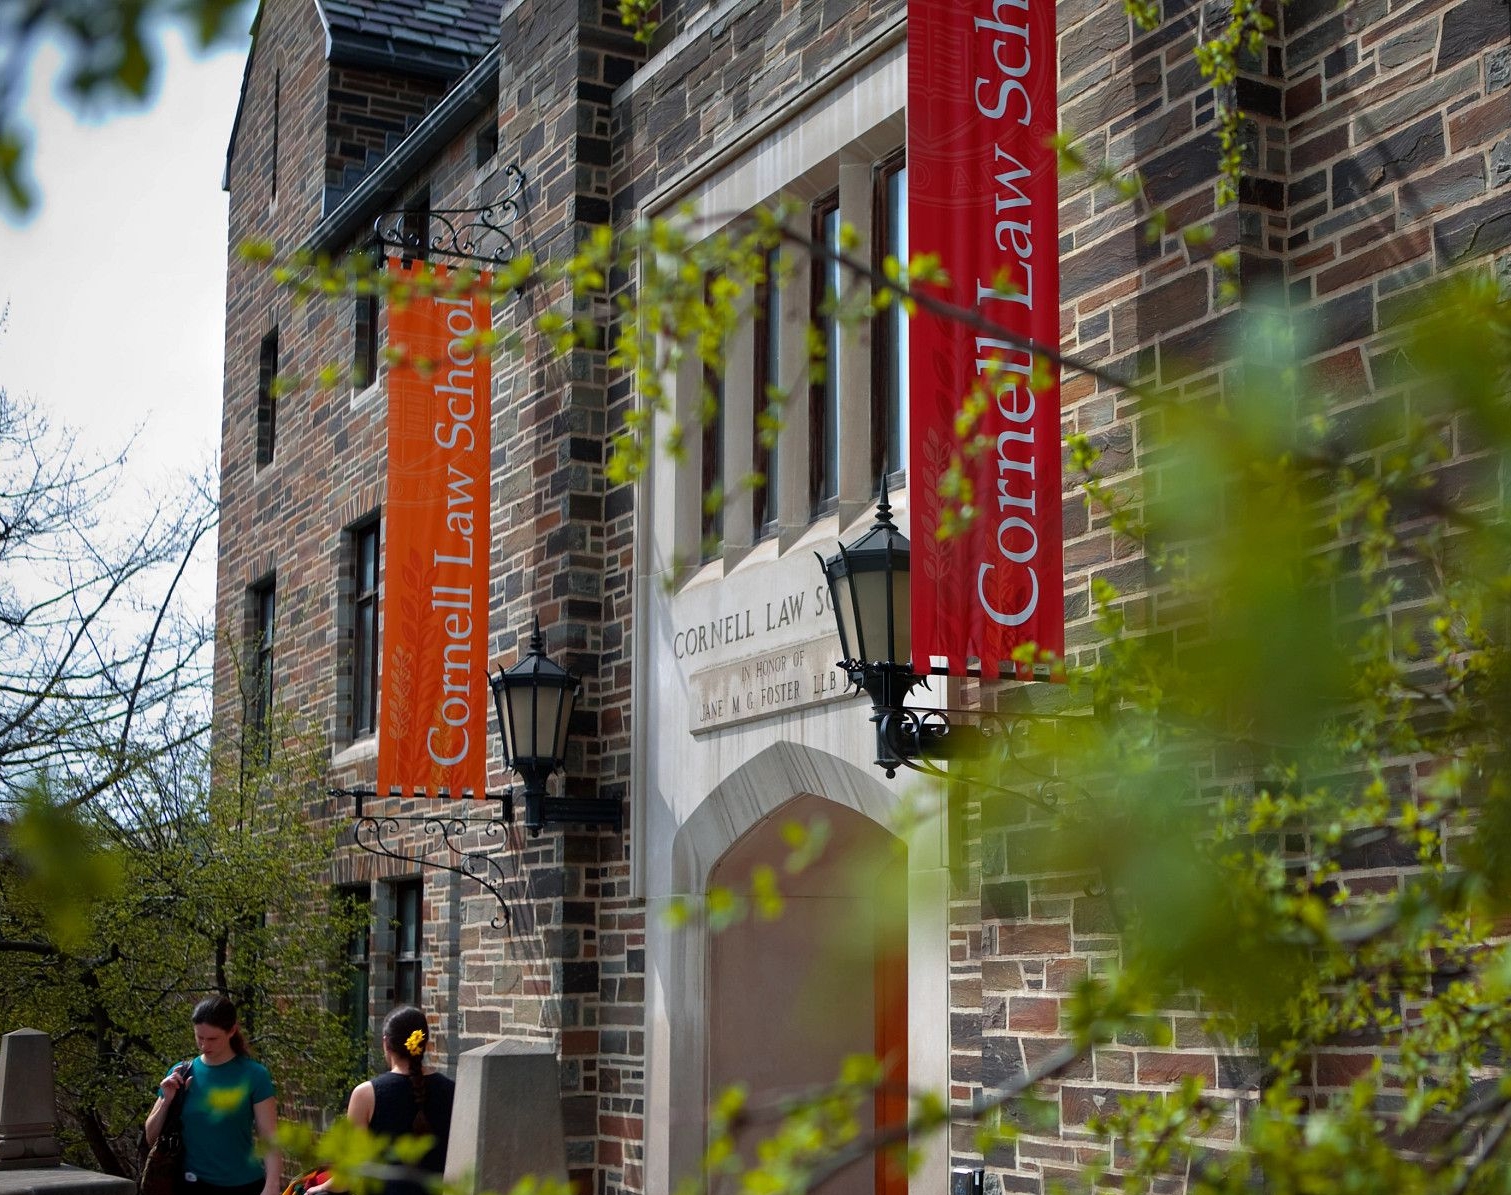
x: 219, y: 1131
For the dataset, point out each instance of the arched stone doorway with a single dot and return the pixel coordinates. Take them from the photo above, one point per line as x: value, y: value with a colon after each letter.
x: 792, y: 996
x: 680, y: 1011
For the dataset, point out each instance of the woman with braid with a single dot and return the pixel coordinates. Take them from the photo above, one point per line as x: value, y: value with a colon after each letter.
x: 406, y: 1101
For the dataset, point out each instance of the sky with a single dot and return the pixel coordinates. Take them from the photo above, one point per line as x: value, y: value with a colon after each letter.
x: 116, y: 282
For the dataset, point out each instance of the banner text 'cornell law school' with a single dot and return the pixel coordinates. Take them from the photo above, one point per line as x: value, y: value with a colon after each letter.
x: 435, y: 612
x: 983, y: 196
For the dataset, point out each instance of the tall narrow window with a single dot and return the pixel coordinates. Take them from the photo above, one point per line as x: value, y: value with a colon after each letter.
x: 356, y: 978
x: 712, y: 460
x: 768, y: 355
x: 267, y: 397
x: 365, y: 629
x: 823, y: 417
x: 417, y: 225
x: 408, y: 938
x: 273, y: 165
x: 889, y: 390
x: 365, y: 341
x: 260, y: 707
x: 485, y: 145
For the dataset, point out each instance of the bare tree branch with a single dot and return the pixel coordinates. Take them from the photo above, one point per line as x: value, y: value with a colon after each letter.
x: 101, y: 672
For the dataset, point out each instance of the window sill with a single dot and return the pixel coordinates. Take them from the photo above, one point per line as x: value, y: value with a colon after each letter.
x: 360, y: 751
x: 704, y: 572
x: 762, y: 551
x: 360, y: 398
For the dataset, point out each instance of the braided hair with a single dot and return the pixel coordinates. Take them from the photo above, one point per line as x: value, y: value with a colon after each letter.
x: 406, y: 1034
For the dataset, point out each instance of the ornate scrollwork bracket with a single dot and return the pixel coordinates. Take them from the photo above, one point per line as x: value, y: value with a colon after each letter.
x: 442, y: 835
x: 480, y: 235
x: 922, y: 739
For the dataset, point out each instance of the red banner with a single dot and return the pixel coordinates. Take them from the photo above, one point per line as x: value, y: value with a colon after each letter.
x: 983, y: 196
x: 433, y: 734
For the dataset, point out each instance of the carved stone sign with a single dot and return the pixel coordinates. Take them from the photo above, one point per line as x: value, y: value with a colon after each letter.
x: 776, y: 617
x: 777, y: 681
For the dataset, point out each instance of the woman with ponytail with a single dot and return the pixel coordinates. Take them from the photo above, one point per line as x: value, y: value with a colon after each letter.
x: 408, y: 1100
x: 228, y: 1108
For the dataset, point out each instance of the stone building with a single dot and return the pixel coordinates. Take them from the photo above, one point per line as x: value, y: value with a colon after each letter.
x: 1378, y: 156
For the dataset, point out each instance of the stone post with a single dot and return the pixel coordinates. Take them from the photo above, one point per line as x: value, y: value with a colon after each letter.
x: 28, y: 1108
x: 506, y: 1121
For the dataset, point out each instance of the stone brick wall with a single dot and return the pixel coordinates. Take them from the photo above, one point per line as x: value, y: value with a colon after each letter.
x: 740, y: 68
x: 1375, y: 141
x: 255, y: 499
x: 566, y: 557
x: 367, y: 115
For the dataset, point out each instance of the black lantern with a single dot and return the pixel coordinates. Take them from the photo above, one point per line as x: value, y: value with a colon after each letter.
x: 869, y: 589
x: 534, y: 701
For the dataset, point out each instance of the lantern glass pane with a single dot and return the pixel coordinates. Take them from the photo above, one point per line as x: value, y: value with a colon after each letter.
x: 871, y: 589
x: 871, y: 597
x: 844, y: 614
x: 566, y: 699
x: 515, y: 702
x: 902, y: 617
x: 536, y: 712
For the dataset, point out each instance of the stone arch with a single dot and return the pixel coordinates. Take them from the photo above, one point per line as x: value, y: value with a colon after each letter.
x: 755, y: 790
x: 735, y: 808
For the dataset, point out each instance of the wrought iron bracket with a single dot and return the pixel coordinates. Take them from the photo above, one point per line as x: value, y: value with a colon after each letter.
x: 916, y: 738
x: 441, y: 831
x: 921, y: 738
x: 481, y: 235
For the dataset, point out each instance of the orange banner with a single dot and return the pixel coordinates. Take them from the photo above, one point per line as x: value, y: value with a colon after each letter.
x: 433, y: 734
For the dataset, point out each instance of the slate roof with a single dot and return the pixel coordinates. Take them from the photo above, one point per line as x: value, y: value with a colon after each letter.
x: 434, y: 37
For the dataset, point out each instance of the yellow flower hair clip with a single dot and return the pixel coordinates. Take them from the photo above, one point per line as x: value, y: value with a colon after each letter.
x: 415, y: 1042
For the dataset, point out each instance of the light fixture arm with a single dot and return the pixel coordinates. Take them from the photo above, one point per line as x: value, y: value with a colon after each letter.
x: 916, y: 738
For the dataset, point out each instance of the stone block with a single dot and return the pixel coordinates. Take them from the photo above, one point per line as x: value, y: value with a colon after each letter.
x: 507, y: 1120
x: 1390, y: 160
x: 1164, y: 1067
x: 1500, y: 163
x: 1475, y: 232
x: 1407, y: 106
x: 1468, y: 28
x: 1453, y: 184
x: 1415, y: 42
x: 1001, y: 1062
x: 28, y: 1104
x: 1005, y: 901
x: 1316, y: 41
x: 1498, y: 69
x: 1096, y: 41
x: 1480, y: 123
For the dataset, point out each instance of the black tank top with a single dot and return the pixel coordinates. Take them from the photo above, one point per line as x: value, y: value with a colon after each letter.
x: 394, y: 1110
